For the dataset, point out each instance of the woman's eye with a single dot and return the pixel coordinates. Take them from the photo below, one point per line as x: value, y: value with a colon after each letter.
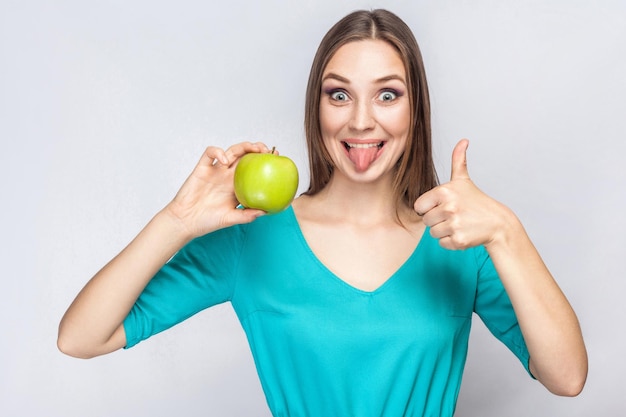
x: 388, y: 95
x: 338, y: 96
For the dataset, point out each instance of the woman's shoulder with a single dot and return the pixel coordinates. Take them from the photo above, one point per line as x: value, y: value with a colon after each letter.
x: 307, y: 208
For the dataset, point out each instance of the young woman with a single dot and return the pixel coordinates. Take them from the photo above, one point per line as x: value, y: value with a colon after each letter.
x: 356, y: 300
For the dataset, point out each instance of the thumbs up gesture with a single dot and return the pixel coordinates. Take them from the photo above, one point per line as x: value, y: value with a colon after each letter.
x: 458, y: 213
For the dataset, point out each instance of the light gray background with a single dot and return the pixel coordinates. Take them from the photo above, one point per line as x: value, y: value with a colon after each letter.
x: 105, y: 107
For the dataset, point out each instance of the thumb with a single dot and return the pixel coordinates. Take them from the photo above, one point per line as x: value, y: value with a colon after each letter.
x: 459, y: 161
x: 242, y: 216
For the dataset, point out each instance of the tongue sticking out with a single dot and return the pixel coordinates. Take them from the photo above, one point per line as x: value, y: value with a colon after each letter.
x: 362, y: 158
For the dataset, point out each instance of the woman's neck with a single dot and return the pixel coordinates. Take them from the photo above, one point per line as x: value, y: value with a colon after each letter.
x: 367, y: 203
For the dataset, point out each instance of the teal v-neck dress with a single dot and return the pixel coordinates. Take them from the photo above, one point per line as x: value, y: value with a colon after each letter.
x: 322, y: 347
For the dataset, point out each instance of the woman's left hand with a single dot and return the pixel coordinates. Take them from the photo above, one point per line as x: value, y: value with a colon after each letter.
x: 462, y: 216
x: 458, y: 213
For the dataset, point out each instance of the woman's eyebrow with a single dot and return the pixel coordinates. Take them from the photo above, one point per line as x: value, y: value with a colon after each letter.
x: 390, y: 78
x: 333, y: 76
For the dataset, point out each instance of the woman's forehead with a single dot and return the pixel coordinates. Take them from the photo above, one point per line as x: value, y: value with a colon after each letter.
x: 376, y: 59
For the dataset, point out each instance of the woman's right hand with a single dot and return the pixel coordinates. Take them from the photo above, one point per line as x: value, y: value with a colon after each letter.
x: 93, y: 324
x: 206, y: 201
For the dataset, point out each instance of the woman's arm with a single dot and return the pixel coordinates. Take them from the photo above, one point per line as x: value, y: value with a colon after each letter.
x: 93, y: 323
x: 461, y: 216
x: 558, y: 358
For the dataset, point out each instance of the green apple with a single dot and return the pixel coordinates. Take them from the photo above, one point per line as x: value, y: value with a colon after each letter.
x: 266, y: 181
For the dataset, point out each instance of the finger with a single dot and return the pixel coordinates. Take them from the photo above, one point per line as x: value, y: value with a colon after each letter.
x: 447, y: 242
x: 240, y: 149
x: 260, y: 147
x: 435, y: 216
x: 452, y: 241
x: 424, y: 203
x: 429, y: 200
x: 459, y: 161
x: 242, y: 216
x: 440, y: 231
x: 448, y: 237
x: 213, y: 155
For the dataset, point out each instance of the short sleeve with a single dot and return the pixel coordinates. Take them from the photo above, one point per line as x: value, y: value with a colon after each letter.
x: 200, y: 275
x: 493, y: 306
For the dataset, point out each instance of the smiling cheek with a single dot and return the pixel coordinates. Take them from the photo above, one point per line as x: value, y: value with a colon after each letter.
x: 395, y: 121
x: 332, y: 121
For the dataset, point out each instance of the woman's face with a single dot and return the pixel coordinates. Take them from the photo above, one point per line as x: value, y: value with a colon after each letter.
x: 365, y: 110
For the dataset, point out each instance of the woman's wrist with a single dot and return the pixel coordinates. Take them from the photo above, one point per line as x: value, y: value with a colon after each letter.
x: 507, y: 231
x: 172, y: 227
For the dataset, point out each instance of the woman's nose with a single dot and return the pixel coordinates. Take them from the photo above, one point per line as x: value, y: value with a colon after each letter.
x: 362, y: 117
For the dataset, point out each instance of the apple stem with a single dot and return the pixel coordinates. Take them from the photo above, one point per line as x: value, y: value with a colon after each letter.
x: 273, y: 149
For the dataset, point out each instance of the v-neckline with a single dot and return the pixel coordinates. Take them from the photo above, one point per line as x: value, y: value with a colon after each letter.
x: 336, y: 277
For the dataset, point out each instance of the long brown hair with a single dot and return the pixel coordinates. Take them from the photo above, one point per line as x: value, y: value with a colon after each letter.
x: 415, y: 172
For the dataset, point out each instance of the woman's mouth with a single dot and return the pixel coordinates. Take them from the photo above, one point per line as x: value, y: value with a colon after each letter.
x: 363, y: 153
